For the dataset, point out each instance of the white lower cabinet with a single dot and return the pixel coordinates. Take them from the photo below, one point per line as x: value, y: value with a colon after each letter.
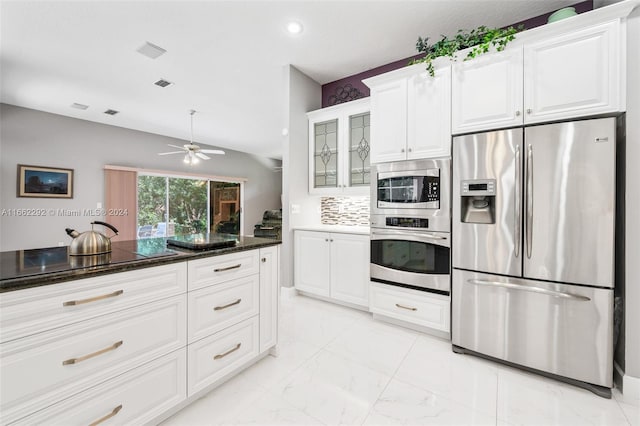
x: 212, y: 358
x: 39, y: 370
x: 417, y: 307
x: 333, y: 265
x: 118, y: 348
x: 135, y: 398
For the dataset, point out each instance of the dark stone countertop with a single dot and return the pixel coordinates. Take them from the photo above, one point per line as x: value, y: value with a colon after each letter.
x: 22, y: 269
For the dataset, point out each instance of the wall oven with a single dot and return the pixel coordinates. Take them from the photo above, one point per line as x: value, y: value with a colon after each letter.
x: 410, y: 224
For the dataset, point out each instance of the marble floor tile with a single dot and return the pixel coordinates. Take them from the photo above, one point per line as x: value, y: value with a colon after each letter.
x: 220, y: 405
x: 333, y: 389
x: 272, y: 410
x: 405, y: 404
x: 292, y: 353
x: 374, y: 344
x: 433, y: 366
x: 528, y: 399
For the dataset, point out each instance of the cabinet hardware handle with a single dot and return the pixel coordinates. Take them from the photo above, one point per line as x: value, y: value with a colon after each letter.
x: 228, y: 352
x: 529, y: 110
x: 331, y: 240
x: 108, y: 416
x: 116, y: 345
x: 264, y: 259
x: 409, y: 149
x: 92, y: 299
x: 326, y: 239
x: 402, y: 150
x: 219, y: 308
x: 517, y: 113
x: 228, y: 268
x: 406, y: 307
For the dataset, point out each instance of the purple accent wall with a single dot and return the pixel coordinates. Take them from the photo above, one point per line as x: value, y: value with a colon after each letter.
x: 352, y: 87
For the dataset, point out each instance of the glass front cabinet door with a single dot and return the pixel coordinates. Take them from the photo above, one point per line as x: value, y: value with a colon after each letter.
x: 339, y: 160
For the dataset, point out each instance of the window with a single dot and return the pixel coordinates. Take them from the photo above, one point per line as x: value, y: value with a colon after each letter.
x: 169, y: 205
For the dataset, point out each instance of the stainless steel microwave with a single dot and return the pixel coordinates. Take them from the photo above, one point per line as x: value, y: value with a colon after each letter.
x: 414, y: 189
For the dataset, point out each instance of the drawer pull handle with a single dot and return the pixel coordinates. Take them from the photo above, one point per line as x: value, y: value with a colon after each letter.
x: 228, y: 352
x: 108, y: 416
x: 227, y: 268
x: 116, y: 345
x: 219, y: 308
x: 92, y: 299
x: 406, y: 307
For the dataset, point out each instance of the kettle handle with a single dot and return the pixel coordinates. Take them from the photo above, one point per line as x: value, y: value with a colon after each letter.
x: 113, y: 228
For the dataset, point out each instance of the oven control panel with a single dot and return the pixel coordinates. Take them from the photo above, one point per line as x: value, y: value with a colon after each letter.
x: 431, y: 188
x: 407, y: 222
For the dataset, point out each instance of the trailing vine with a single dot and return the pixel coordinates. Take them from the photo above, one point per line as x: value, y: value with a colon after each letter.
x: 480, y: 39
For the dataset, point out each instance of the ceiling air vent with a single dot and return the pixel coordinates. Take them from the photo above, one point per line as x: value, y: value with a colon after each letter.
x: 150, y: 50
x: 163, y: 83
x: 111, y: 112
x: 79, y: 106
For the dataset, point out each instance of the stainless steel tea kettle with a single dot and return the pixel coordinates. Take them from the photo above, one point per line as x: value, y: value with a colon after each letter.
x: 90, y: 243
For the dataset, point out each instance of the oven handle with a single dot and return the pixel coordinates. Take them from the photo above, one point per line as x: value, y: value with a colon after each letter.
x: 420, y: 237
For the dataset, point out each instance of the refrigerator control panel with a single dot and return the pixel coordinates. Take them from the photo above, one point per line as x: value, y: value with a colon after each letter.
x: 480, y: 187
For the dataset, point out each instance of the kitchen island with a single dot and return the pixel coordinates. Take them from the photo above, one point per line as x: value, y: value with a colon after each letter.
x: 137, y: 335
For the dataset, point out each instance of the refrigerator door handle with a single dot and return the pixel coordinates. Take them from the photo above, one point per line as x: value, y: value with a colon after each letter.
x: 530, y: 289
x: 517, y: 200
x: 529, y: 200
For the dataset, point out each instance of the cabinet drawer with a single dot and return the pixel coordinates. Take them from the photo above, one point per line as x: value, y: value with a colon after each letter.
x: 40, y: 370
x: 218, y: 269
x: 136, y: 397
x: 214, y: 357
x: 212, y: 309
x: 417, y: 307
x: 30, y: 311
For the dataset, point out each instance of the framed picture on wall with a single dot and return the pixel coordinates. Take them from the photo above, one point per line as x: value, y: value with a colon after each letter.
x: 44, y: 182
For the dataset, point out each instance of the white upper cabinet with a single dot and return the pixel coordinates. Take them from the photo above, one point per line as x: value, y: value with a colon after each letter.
x: 429, y: 115
x: 389, y: 121
x: 339, y: 149
x: 574, y: 75
x: 487, y: 92
x: 410, y: 114
x: 543, y: 77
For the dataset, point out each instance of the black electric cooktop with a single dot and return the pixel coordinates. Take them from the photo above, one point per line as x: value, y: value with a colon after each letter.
x: 24, y: 263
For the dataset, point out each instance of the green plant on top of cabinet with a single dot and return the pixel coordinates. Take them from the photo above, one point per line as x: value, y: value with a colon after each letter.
x: 410, y: 114
x: 339, y: 149
x: 561, y: 76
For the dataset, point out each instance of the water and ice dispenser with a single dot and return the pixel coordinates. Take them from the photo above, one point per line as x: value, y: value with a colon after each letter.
x: 478, y: 201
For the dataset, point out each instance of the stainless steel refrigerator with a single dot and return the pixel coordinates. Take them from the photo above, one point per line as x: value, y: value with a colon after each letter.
x: 533, y: 242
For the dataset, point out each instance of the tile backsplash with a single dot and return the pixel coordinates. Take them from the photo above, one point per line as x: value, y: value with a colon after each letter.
x: 352, y: 211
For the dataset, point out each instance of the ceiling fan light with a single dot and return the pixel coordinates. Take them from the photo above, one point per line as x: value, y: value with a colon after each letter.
x: 195, y: 160
x: 187, y: 158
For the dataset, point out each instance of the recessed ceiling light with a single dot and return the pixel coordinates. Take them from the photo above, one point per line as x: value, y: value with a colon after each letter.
x: 294, y: 27
x: 111, y: 112
x: 163, y: 83
x: 150, y: 50
x: 79, y: 106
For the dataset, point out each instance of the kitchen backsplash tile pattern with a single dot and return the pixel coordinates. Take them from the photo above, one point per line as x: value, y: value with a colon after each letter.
x: 352, y: 211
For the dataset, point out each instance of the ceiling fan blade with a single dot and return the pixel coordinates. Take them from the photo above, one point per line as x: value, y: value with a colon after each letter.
x: 175, y: 146
x: 213, y: 151
x: 172, y: 152
x: 201, y: 155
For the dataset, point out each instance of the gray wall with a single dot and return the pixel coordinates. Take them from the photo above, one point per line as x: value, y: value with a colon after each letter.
x: 302, y: 95
x: 39, y: 138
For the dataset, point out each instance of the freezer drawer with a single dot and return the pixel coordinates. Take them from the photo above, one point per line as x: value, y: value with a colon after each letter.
x: 558, y: 328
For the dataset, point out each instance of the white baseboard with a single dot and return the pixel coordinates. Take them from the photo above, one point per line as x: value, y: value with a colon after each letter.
x: 288, y: 292
x: 629, y: 386
x: 436, y: 333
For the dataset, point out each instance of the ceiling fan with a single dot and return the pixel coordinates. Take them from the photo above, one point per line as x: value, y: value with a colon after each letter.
x: 192, y: 152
